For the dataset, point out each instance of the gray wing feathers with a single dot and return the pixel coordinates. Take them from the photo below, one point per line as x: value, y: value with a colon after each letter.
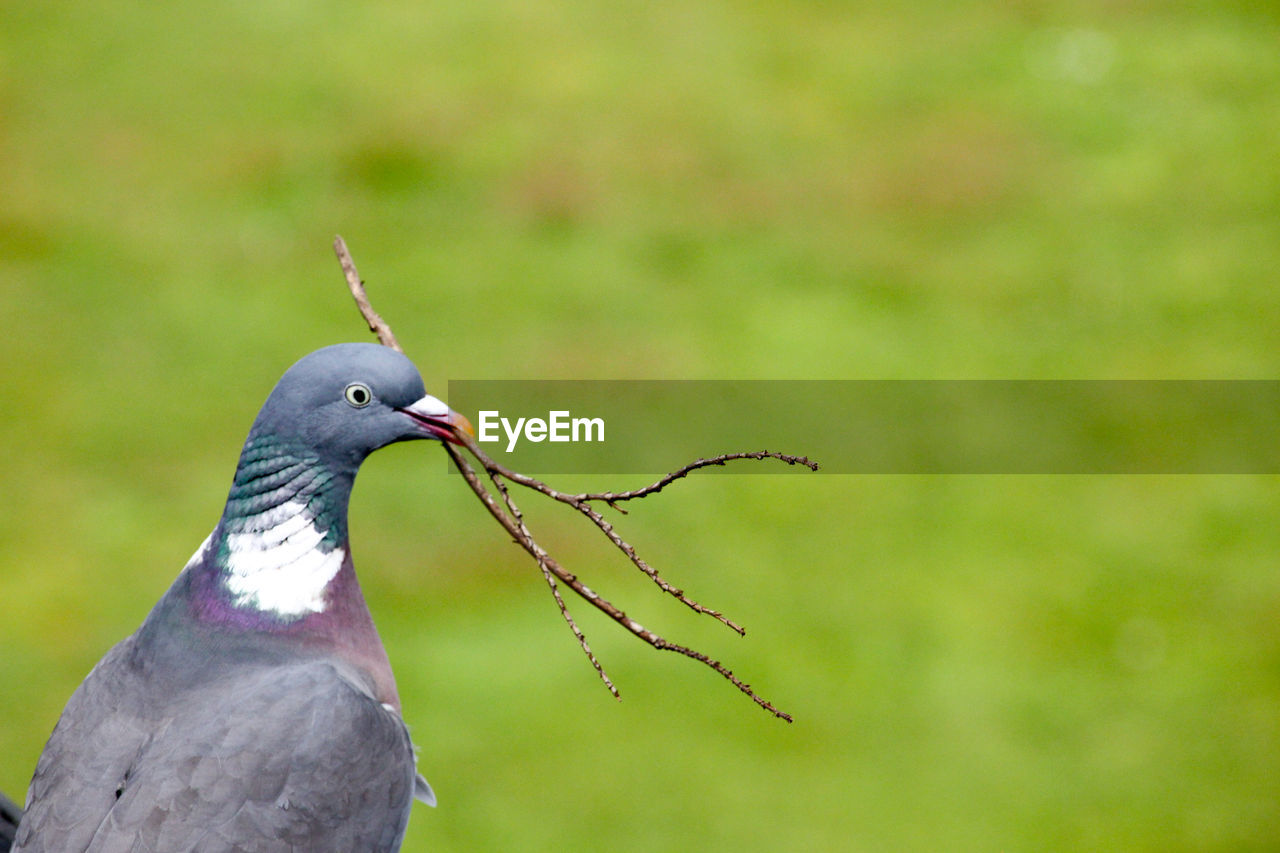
x: 10, y: 814
x: 272, y: 758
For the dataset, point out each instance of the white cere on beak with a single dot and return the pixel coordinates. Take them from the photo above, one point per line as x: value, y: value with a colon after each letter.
x: 428, y: 407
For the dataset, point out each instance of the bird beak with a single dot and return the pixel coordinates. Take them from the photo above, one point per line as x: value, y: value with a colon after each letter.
x: 438, y: 419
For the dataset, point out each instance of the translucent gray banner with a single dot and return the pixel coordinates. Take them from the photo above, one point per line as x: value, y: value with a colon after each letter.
x: 881, y: 426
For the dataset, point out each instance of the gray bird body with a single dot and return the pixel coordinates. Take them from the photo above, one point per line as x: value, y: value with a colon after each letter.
x: 255, y: 708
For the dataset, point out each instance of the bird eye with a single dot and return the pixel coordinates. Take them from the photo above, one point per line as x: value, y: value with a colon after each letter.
x: 358, y: 395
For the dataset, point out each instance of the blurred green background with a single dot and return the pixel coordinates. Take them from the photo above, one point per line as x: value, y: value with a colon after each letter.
x: 677, y: 190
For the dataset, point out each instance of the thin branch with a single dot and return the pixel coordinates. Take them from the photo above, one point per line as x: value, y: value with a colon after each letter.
x: 354, y: 283
x: 595, y: 599
x: 545, y: 563
x: 654, y: 488
x: 514, y: 524
x: 582, y: 503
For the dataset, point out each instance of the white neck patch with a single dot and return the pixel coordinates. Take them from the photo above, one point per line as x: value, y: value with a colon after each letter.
x: 281, y: 567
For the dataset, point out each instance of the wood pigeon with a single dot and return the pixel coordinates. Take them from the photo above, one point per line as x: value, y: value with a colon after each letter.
x: 255, y: 709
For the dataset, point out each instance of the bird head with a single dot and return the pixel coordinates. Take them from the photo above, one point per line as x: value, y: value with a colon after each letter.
x: 347, y: 400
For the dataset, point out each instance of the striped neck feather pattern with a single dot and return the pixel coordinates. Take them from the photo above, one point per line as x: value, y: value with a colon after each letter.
x: 282, y: 537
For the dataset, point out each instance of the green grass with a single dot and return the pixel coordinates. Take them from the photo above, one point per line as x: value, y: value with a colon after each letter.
x: 676, y: 190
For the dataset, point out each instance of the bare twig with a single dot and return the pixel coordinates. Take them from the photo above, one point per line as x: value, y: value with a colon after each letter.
x: 595, y: 599
x: 376, y: 324
x: 508, y: 514
x: 654, y: 488
x: 582, y: 503
x: 514, y: 524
